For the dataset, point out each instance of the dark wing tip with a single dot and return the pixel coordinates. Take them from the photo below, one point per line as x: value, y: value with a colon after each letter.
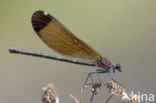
x: 40, y: 19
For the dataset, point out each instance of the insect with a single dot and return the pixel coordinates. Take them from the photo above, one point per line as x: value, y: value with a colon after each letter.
x: 60, y: 39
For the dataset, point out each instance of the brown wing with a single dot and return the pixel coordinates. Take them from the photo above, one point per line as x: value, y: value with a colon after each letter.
x: 60, y: 39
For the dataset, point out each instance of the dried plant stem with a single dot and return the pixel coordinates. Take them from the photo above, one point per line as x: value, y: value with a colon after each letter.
x: 91, y: 99
x: 69, y: 95
x: 82, y: 90
x: 51, y: 96
x: 109, y: 98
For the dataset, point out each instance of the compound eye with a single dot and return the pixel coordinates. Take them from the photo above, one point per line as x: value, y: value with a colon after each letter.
x: 118, y: 67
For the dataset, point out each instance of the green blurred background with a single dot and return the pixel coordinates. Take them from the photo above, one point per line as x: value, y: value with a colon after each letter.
x: 124, y: 31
